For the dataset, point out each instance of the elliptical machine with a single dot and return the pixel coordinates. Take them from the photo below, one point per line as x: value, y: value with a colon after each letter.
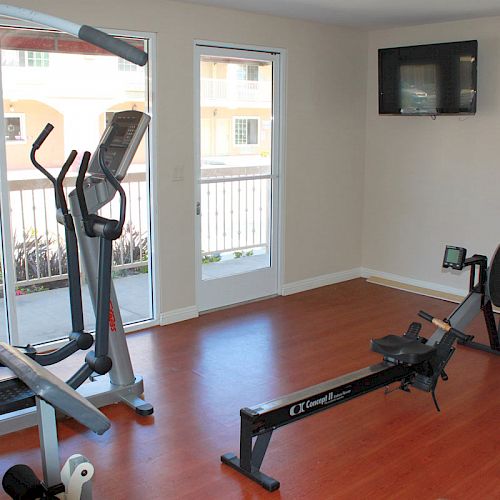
x: 95, y: 235
x: 78, y: 338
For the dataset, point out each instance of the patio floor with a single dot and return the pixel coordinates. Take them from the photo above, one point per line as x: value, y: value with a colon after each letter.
x: 213, y: 270
x: 45, y: 316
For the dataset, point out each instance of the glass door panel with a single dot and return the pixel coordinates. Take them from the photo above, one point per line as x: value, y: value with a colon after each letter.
x: 51, y: 77
x: 4, y: 330
x: 236, y: 178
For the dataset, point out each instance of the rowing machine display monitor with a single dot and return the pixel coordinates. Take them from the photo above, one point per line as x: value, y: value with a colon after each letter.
x: 454, y: 257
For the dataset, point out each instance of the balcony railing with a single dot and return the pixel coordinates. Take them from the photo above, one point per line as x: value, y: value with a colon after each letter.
x: 235, y: 209
x: 227, y: 91
x: 39, y: 246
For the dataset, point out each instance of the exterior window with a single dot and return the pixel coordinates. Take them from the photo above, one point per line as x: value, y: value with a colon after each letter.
x: 249, y: 72
x: 246, y: 131
x: 14, y: 127
x: 124, y: 65
x: 37, y: 59
x: 32, y: 60
x: 25, y: 58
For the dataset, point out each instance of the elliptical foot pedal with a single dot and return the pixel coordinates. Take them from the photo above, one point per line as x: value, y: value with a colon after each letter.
x: 15, y: 395
x: 267, y: 482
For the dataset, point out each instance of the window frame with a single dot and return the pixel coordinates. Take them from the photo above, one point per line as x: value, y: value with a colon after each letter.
x: 43, y: 58
x: 22, y: 127
x: 246, y: 117
x: 245, y: 67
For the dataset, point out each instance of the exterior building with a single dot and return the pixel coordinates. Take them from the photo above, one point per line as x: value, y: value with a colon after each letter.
x: 236, y: 110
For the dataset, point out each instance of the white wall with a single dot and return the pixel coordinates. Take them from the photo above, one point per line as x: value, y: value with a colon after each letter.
x: 428, y: 183
x: 325, y: 125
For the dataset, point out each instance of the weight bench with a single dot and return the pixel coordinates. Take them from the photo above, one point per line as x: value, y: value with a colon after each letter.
x: 51, y: 394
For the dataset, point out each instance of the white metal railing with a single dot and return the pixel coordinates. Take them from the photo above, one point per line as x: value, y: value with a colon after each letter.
x: 39, y: 246
x: 235, y: 213
x: 213, y: 89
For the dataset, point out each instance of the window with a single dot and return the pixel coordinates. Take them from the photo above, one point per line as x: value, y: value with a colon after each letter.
x: 249, y: 72
x: 15, y: 127
x: 30, y: 58
x: 124, y: 65
x: 37, y: 59
x: 75, y: 87
x: 246, y: 131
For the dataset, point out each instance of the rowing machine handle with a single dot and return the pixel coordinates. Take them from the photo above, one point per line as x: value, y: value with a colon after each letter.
x: 445, y: 326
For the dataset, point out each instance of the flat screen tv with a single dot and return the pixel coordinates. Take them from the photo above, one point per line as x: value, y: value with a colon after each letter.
x: 435, y: 79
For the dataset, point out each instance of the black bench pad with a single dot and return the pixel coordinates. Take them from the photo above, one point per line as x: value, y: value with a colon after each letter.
x: 403, y: 349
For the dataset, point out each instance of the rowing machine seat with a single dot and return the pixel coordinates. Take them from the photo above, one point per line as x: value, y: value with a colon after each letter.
x: 406, y: 350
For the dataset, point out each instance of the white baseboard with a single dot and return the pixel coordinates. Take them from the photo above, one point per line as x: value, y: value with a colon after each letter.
x: 319, y: 281
x: 428, y: 288
x: 177, y: 315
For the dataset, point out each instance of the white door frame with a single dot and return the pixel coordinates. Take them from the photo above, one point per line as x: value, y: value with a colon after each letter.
x: 279, y: 135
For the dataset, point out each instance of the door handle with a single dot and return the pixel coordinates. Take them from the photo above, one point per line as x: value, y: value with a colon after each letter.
x: 198, y: 208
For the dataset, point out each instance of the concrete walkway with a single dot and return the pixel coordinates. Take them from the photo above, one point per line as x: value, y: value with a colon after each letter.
x: 46, y: 316
x: 230, y: 267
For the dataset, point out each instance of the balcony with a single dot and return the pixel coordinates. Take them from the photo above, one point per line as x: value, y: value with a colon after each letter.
x: 42, y: 302
x: 235, y: 93
x: 235, y: 215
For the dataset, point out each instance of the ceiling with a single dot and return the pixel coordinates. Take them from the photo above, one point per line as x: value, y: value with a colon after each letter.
x: 367, y: 14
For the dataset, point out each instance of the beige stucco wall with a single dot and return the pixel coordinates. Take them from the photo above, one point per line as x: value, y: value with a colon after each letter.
x: 18, y: 153
x: 325, y: 130
x: 429, y: 183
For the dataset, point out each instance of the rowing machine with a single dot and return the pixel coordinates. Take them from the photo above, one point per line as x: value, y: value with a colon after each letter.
x: 410, y: 360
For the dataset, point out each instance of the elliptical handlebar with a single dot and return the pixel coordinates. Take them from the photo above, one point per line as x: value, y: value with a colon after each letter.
x: 82, y: 171
x: 43, y: 135
x: 96, y: 225
x: 61, y: 203
x: 116, y: 185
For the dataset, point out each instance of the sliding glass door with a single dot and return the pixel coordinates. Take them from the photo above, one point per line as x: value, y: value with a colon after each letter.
x: 52, y: 77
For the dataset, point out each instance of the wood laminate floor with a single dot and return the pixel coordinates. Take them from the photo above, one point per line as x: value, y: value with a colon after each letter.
x: 199, y: 373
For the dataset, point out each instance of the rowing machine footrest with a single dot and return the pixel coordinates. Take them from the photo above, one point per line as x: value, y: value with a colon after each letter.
x: 403, y: 349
